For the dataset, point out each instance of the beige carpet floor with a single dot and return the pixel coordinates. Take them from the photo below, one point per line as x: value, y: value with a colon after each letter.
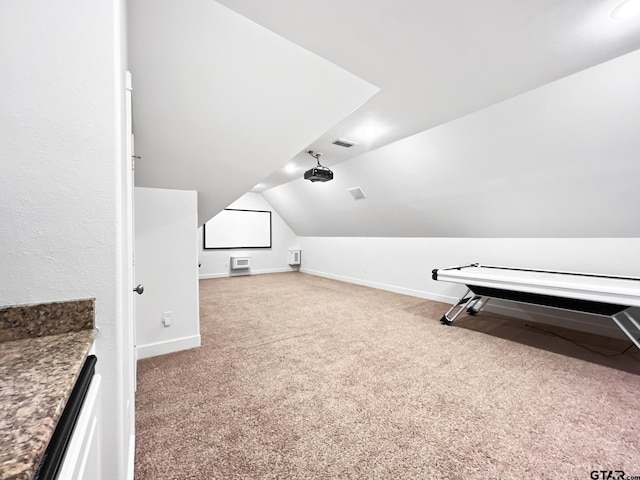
x: 302, y: 377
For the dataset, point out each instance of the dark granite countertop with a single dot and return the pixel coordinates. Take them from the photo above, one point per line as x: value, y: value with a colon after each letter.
x: 37, y: 375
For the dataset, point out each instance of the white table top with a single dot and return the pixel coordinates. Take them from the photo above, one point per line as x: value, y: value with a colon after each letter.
x: 598, y: 288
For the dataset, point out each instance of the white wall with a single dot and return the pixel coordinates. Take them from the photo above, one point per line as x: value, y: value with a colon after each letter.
x: 215, y: 263
x: 404, y: 265
x: 167, y: 265
x: 62, y: 203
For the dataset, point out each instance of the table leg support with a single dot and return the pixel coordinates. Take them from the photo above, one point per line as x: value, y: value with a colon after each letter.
x: 465, y: 303
x: 479, y: 305
x: 627, y: 329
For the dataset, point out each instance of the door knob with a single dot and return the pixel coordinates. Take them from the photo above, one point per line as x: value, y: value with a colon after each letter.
x: 139, y: 289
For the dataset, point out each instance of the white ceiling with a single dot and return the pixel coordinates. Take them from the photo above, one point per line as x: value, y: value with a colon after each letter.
x: 559, y: 161
x: 492, y: 118
x: 220, y: 102
x: 435, y: 60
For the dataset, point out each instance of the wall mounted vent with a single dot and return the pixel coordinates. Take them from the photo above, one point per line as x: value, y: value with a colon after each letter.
x: 240, y: 263
x: 357, y: 193
x: 341, y: 142
x: 294, y: 257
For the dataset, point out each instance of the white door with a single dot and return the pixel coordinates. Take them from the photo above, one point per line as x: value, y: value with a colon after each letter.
x: 166, y: 240
x: 130, y: 360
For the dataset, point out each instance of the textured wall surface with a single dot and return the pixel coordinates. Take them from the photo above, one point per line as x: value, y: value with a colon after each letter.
x: 62, y: 90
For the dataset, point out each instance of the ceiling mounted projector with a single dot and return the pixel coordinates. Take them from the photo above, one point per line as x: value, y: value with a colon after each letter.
x: 318, y: 173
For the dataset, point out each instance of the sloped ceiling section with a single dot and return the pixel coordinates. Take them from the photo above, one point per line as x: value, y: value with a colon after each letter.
x: 437, y: 60
x: 559, y: 161
x: 220, y: 102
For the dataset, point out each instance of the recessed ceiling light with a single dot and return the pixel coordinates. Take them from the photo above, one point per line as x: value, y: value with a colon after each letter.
x: 626, y: 10
x: 291, y: 167
x: 368, y: 132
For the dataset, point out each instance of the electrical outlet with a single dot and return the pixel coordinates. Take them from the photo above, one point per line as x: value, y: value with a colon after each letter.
x: 167, y: 317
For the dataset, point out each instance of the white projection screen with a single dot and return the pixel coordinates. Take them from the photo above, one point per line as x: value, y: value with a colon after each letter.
x: 238, y: 229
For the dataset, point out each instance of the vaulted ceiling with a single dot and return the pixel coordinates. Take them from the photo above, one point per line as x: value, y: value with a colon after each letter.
x: 220, y: 102
x: 479, y: 105
x: 436, y: 61
x: 557, y: 161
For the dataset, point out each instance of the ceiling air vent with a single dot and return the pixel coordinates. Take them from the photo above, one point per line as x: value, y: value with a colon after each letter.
x: 341, y: 142
x: 357, y: 193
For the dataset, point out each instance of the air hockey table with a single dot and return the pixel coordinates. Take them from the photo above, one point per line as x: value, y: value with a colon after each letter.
x: 615, y: 297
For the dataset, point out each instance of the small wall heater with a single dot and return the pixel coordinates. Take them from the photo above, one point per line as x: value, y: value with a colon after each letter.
x: 240, y: 263
x: 294, y: 257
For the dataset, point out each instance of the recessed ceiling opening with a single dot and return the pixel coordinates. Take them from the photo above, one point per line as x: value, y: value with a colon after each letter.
x: 342, y: 142
x: 357, y: 193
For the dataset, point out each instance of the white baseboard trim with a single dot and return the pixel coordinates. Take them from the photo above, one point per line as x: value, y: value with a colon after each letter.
x: 131, y: 459
x: 169, y: 346
x: 251, y: 271
x: 596, y: 325
x: 383, y: 286
x: 205, y: 276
